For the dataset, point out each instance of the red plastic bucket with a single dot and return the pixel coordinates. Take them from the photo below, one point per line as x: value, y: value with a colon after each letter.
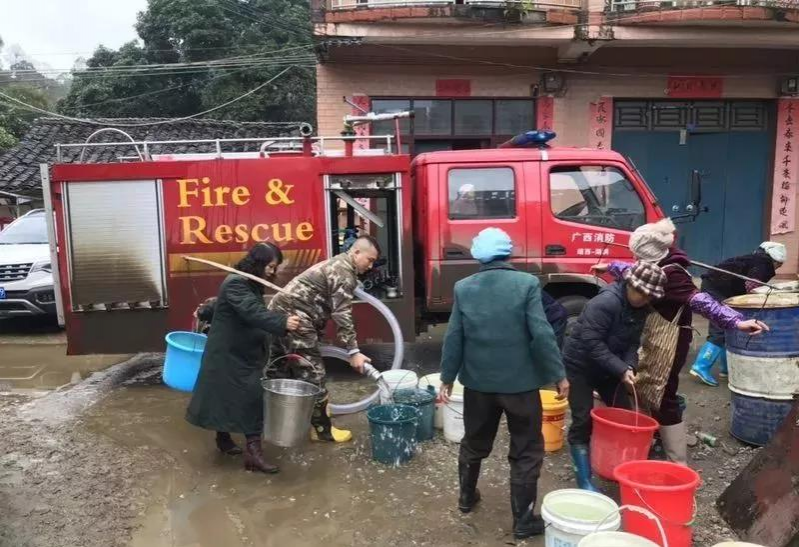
x: 619, y: 436
x: 667, y: 490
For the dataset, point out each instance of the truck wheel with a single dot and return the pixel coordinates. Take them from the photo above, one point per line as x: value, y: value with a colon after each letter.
x: 574, y: 304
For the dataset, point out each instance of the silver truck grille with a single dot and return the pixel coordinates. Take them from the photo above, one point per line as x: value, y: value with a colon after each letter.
x: 14, y: 272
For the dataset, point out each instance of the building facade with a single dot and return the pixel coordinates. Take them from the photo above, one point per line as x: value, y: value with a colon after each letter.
x: 681, y: 87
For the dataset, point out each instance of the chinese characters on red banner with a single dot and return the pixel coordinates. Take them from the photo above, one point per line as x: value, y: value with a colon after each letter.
x: 601, y: 126
x: 695, y: 87
x: 783, y: 200
x: 453, y: 88
x: 361, y: 102
x: 545, y: 113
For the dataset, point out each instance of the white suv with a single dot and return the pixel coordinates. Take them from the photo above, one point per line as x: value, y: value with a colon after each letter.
x: 26, y: 275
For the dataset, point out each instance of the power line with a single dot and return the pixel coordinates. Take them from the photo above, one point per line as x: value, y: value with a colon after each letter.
x: 93, y: 122
x: 309, y: 62
x: 189, y: 70
x: 176, y: 50
x: 154, y: 66
x: 269, y: 18
x: 159, y: 91
x: 247, y: 13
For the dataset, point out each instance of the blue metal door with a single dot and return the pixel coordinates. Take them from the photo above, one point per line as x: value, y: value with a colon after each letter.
x: 728, y: 142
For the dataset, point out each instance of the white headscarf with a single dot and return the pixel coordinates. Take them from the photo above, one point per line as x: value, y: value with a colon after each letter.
x: 775, y: 250
x: 651, y: 242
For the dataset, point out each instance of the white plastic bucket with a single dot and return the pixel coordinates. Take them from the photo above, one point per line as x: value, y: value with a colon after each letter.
x: 396, y: 379
x: 572, y: 514
x: 615, y: 539
x: 453, y: 416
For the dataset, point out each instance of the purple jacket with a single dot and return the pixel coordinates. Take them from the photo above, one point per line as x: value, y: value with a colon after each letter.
x: 680, y: 290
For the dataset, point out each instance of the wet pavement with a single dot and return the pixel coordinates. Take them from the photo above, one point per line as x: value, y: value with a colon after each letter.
x: 33, y: 356
x: 325, y: 494
x: 131, y: 472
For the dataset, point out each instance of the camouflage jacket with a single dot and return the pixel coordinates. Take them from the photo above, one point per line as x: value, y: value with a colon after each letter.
x: 323, y: 292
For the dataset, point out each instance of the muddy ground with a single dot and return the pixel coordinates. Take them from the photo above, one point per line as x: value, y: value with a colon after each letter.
x: 111, y: 462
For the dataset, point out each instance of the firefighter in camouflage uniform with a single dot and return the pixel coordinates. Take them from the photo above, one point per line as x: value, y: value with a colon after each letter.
x: 321, y: 293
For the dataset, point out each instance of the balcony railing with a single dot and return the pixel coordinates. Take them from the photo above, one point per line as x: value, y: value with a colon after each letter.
x: 525, y: 5
x: 647, y: 5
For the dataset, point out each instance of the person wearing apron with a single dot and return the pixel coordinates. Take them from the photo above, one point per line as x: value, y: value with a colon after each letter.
x: 654, y: 243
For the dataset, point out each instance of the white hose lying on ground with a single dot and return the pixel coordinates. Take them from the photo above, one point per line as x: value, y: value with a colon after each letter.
x: 339, y: 353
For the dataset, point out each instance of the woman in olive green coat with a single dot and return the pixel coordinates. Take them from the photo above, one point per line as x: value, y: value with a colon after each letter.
x: 228, y: 397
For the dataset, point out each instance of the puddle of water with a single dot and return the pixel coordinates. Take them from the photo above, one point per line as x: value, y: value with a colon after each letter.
x: 47, y: 366
x: 331, y: 495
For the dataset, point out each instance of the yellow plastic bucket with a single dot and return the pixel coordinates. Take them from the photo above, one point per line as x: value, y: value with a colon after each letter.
x: 553, y: 420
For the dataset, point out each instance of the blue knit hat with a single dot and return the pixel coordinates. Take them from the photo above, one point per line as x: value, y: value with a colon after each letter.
x: 491, y: 244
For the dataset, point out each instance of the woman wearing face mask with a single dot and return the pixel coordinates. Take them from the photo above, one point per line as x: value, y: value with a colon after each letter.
x: 228, y: 397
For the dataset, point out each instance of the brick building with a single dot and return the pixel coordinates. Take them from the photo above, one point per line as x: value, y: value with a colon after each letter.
x: 679, y: 86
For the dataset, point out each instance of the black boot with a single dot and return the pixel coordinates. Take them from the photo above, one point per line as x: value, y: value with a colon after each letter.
x: 254, y: 457
x: 225, y: 444
x: 322, y: 427
x: 526, y: 524
x: 467, y: 478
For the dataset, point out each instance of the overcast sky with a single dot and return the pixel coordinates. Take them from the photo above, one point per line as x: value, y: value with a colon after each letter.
x: 57, y: 32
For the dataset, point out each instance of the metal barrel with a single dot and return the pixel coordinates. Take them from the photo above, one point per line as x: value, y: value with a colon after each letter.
x: 764, y: 369
x: 766, y: 365
x: 288, y: 405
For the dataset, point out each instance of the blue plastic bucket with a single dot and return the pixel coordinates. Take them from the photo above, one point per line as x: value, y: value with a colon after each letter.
x: 184, y: 353
x: 424, y: 400
x: 393, y: 433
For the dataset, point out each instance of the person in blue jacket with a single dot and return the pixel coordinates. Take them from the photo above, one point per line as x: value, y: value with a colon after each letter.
x: 502, y: 349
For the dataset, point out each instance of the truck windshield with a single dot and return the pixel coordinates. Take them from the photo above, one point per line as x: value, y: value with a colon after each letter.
x: 30, y: 229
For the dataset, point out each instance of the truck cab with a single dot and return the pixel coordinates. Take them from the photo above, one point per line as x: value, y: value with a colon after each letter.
x: 566, y: 209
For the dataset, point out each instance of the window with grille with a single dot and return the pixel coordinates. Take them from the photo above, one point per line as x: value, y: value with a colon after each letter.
x: 488, y: 121
x: 692, y: 115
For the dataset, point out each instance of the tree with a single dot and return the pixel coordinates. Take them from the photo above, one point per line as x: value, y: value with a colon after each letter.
x: 236, y: 45
x: 16, y: 120
x: 24, y: 82
x: 7, y: 140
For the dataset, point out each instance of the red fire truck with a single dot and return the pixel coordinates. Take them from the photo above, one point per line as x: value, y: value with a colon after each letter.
x: 120, y: 231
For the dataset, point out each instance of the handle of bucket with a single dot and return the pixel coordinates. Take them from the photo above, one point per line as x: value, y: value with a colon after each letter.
x: 651, y: 515
x: 407, y: 372
x: 292, y: 355
x: 635, y: 398
x: 664, y: 519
